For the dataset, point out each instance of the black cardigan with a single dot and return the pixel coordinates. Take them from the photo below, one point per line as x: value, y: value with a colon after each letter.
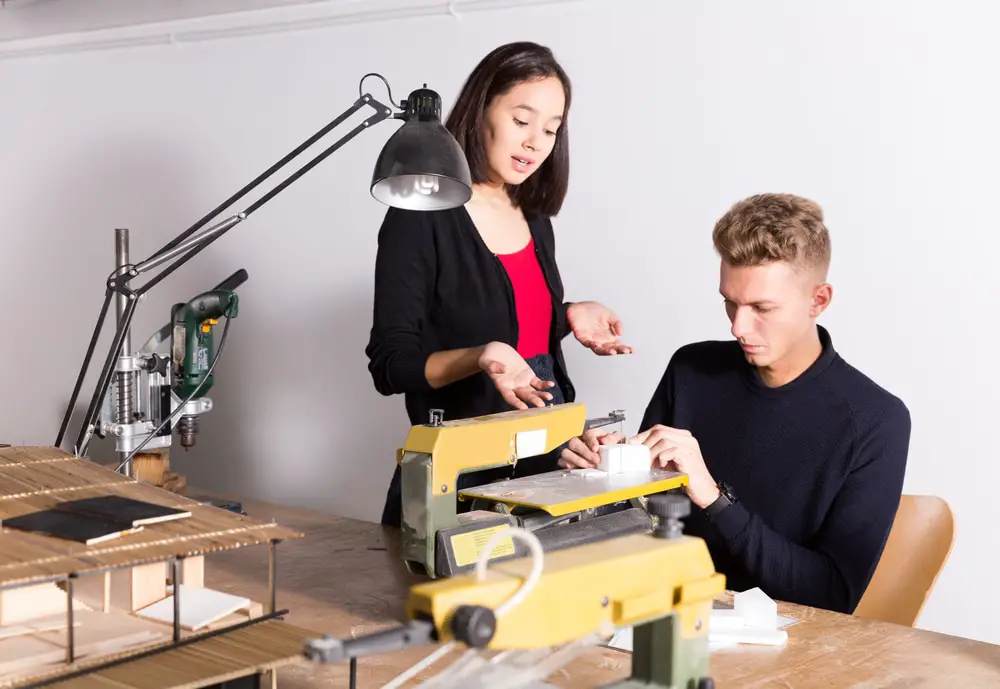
x: 439, y: 287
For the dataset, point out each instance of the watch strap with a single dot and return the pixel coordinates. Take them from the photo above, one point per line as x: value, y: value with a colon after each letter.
x: 720, y: 503
x: 725, y: 499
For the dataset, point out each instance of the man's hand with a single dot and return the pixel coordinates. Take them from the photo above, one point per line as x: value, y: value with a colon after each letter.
x: 680, y: 450
x: 584, y: 451
x: 597, y: 327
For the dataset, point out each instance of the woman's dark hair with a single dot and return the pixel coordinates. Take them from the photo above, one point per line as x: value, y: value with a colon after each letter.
x: 505, y: 67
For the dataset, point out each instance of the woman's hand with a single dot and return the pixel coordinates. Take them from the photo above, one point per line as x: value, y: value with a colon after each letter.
x: 512, y: 376
x: 597, y: 327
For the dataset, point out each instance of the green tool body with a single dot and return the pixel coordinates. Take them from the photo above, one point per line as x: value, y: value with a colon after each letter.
x: 192, y: 343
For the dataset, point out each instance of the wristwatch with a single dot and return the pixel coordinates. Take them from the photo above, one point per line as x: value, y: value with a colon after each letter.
x: 725, y: 499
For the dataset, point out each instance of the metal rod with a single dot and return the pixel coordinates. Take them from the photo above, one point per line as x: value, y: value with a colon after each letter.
x: 272, y: 579
x: 358, y: 104
x: 175, y: 565
x: 86, y: 365
x: 121, y: 260
x: 132, y: 657
x: 354, y: 673
x: 70, y: 656
x: 187, y: 245
x: 367, y: 124
x: 104, y: 380
x: 125, y: 382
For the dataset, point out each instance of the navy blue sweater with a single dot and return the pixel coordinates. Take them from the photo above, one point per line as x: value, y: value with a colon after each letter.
x: 817, y: 467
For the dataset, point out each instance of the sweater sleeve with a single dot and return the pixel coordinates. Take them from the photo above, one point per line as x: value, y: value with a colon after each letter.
x: 405, y: 267
x: 834, y: 571
x: 659, y: 410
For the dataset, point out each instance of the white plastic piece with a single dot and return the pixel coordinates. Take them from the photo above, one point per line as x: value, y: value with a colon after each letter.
x: 756, y: 608
x: 587, y: 473
x: 624, y: 458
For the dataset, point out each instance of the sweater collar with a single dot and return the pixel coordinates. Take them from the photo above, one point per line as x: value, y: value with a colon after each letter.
x: 827, y: 356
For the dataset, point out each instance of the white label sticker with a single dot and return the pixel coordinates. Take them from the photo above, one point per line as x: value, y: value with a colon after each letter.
x: 530, y: 443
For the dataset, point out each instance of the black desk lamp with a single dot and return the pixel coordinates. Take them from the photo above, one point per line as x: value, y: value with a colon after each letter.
x: 421, y: 167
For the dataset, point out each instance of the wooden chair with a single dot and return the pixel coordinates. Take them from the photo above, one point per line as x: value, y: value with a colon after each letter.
x: 918, y: 546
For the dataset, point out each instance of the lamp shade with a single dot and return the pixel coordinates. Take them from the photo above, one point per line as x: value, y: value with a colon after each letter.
x: 422, y: 167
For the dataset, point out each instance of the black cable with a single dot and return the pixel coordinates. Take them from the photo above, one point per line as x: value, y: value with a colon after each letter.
x: 388, y: 88
x: 194, y: 393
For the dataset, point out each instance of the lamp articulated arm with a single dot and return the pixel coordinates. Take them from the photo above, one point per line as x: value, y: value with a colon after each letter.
x: 421, y: 167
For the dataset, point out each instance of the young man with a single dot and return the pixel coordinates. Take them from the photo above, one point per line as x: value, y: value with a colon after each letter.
x: 795, y: 459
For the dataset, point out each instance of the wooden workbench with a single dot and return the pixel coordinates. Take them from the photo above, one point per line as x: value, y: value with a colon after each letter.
x: 345, y: 578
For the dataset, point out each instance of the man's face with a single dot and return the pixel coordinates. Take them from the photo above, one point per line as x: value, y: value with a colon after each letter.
x: 772, y: 308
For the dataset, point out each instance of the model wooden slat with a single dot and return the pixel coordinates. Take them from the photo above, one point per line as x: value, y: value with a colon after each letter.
x: 33, y: 479
x: 54, y: 477
x: 263, y: 646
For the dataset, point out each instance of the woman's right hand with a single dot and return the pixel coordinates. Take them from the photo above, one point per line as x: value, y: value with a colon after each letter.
x: 512, y: 376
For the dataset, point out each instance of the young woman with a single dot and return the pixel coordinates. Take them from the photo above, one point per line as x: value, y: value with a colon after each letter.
x: 469, y: 313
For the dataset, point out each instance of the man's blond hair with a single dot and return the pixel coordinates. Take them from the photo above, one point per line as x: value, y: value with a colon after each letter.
x: 774, y: 227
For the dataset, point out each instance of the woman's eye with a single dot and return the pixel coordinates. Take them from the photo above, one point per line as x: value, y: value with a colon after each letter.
x: 519, y: 123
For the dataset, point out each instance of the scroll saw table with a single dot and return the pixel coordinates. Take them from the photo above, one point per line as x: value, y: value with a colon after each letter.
x: 345, y: 577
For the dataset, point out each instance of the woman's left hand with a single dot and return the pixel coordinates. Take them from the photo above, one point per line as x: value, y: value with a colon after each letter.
x: 597, y: 327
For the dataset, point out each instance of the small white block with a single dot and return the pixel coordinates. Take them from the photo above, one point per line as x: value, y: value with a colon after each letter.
x: 756, y: 608
x: 624, y: 459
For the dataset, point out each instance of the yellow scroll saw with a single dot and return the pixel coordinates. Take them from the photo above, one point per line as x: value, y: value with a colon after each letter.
x: 537, y: 613
x: 561, y: 507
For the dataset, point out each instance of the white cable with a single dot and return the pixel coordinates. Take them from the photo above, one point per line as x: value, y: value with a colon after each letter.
x: 537, y: 562
x: 400, y: 679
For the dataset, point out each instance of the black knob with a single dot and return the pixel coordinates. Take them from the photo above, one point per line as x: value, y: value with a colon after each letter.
x: 706, y: 683
x: 667, y: 506
x: 473, y: 625
x: 157, y: 364
x: 669, y: 509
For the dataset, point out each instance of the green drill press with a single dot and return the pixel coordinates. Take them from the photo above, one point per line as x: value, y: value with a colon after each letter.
x: 193, y: 350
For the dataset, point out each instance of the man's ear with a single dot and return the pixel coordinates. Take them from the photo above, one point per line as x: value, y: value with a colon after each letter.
x: 822, y: 296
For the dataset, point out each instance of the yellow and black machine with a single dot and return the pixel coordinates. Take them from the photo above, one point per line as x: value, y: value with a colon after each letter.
x: 537, y: 612
x: 564, y: 508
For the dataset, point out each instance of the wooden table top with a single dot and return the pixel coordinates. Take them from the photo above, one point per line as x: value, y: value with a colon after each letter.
x: 345, y: 578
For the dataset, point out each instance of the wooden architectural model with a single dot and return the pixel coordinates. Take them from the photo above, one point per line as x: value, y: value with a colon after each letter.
x: 108, y: 613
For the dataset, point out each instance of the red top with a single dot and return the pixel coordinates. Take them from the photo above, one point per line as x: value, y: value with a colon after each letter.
x: 532, y: 300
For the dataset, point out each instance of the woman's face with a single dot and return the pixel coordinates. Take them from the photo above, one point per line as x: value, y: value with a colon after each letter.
x: 520, y: 128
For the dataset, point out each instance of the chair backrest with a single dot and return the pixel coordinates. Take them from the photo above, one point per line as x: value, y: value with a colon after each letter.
x: 918, y: 546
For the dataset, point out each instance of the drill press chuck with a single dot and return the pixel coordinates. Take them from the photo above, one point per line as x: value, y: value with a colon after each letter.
x: 187, y: 427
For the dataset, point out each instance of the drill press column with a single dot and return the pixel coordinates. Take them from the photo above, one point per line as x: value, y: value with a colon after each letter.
x: 124, y: 380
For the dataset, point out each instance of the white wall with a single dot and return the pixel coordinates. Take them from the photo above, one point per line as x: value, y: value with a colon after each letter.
x: 882, y: 111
